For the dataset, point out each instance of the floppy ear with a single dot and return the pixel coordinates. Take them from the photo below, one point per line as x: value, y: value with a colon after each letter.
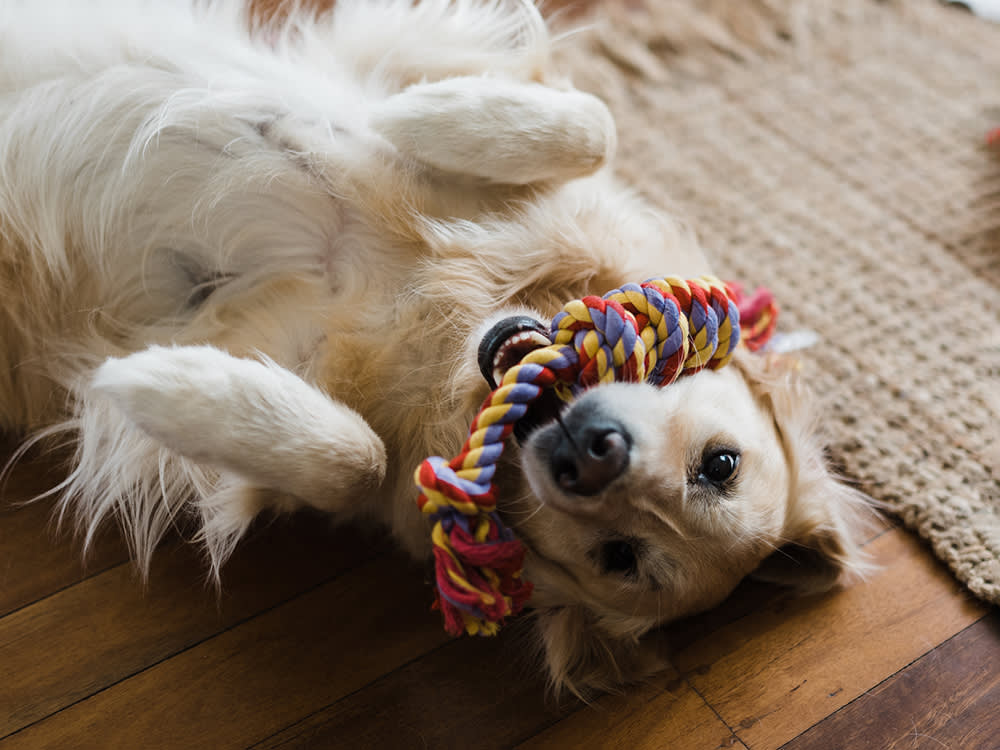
x: 585, y: 659
x: 825, y: 530
x: 826, y: 520
x: 498, y: 130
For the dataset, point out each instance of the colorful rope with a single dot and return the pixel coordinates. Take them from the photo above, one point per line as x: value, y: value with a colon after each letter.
x: 654, y: 331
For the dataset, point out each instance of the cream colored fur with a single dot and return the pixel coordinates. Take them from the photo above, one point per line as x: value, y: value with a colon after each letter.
x: 248, y: 270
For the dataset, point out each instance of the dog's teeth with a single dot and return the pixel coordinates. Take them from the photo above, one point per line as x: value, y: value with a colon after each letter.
x: 518, y: 339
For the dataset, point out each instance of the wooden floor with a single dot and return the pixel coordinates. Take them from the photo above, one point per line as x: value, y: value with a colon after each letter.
x: 324, y: 639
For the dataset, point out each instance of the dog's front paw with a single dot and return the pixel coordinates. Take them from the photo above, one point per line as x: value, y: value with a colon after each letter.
x: 167, y: 393
x: 183, y: 396
x: 251, y: 417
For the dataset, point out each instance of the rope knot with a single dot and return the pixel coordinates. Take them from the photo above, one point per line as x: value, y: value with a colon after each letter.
x: 605, y: 337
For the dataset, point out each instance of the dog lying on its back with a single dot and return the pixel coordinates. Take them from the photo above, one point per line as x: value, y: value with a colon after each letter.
x: 251, y: 270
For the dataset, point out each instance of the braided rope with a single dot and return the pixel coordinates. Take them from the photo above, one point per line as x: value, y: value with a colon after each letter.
x: 655, y: 331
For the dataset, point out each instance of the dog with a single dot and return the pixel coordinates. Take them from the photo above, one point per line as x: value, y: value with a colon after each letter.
x: 248, y: 267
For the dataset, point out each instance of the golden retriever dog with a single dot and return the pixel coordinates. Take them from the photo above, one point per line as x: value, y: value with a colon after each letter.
x: 248, y: 267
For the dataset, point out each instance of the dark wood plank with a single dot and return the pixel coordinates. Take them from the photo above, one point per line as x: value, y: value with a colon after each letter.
x: 35, y: 558
x: 98, y: 632
x: 776, y: 672
x: 259, y: 677
x: 948, y: 698
x: 473, y: 692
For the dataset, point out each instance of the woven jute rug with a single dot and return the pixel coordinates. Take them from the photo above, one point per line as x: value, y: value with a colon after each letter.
x: 835, y: 152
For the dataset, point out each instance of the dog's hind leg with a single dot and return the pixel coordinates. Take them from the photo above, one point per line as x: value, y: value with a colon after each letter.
x: 498, y: 130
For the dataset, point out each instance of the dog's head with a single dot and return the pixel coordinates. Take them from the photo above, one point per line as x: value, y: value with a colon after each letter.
x: 640, y: 505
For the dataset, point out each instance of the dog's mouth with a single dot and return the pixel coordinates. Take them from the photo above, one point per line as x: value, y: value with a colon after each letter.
x: 503, y: 346
x: 506, y: 344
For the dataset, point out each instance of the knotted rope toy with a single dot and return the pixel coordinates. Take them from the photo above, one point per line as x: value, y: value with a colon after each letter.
x: 655, y: 331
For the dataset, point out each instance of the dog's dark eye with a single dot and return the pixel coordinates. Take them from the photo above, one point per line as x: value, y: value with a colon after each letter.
x: 718, y: 467
x: 619, y: 556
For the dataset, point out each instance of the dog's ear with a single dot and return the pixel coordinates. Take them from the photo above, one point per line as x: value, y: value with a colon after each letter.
x: 826, y: 520
x: 498, y: 130
x: 584, y: 658
x: 824, y: 527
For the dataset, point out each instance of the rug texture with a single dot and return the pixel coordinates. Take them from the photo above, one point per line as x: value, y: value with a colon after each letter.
x: 836, y: 153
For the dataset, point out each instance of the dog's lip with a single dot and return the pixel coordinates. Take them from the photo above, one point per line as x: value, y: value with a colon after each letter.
x: 506, y: 343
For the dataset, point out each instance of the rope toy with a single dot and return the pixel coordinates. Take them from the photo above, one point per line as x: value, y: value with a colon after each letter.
x: 655, y: 331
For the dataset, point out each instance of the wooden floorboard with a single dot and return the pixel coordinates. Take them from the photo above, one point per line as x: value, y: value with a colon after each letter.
x: 36, y: 556
x: 665, y: 714
x: 324, y: 638
x: 963, y: 674
x: 109, y: 626
x: 469, y: 688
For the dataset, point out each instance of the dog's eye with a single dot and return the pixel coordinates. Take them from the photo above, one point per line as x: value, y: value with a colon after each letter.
x: 619, y: 556
x: 718, y: 467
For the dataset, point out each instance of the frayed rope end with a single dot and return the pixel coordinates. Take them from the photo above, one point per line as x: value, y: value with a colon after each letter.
x: 758, y: 314
x: 477, y: 562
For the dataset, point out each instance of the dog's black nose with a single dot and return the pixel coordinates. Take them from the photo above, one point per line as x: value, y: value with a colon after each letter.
x: 590, y: 454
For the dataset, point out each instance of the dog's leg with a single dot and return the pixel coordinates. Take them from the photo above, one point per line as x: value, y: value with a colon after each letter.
x: 253, y: 419
x: 499, y: 130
